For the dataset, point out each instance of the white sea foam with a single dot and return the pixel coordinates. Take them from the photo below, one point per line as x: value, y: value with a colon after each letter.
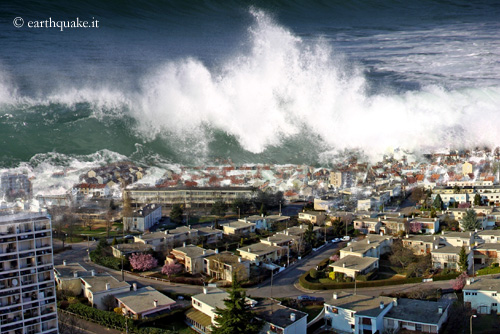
x: 284, y: 86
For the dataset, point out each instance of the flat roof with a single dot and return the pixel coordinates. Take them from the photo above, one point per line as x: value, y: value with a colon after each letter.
x: 259, y: 248
x: 98, y: 283
x: 143, y: 299
x: 354, y: 262
x: 193, y: 251
x: 192, y: 189
x: 414, y: 310
x: 68, y: 270
x: 363, y: 305
x: 214, y: 298
x: 484, y: 283
x: 449, y: 250
x: 273, y: 312
x: 133, y: 247
x: 422, y: 238
x: 238, y: 224
x: 489, y: 232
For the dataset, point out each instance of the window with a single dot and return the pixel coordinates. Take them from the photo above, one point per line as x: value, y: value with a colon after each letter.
x: 494, y: 294
x: 467, y: 293
x: 335, y: 310
x: 418, y: 327
x: 494, y: 304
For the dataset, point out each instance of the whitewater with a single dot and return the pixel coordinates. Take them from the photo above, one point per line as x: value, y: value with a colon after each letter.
x: 277, y: 96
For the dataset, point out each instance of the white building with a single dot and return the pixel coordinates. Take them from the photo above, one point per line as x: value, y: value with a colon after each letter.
x: 27, y: 288
x: 143, y: 219
x: 482, y: 294
x: 348, y: 313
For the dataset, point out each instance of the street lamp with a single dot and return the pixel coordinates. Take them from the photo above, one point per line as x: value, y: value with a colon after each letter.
x: 472, y: 316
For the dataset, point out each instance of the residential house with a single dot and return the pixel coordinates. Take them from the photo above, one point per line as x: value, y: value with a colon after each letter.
x: 425, y: 225
x: 481, y: 294
x: 368, y: 225
x: 489, y: 236
x: 96, y: 288
x: 120, y: 250
x: 352, y: 265
x: 68, y: 275
x: 223, y: 265
x: 280, y: 319
x: 210, y: 234
x: 413, y: 315
x: 447, y: 257
x: 299, y: 231
x: 372, y: 246
x: 191, y: 257
x: 358, y: 314
x: 421, y: 244
x: 487, y: 253
x: 143, y: 219
x: 261, y: 253
x: 91, y: 189
x: 238, y: 228
x: 457, y: 239
x: 143, y: 303
x: 313, y: 217
x: 202, y: 316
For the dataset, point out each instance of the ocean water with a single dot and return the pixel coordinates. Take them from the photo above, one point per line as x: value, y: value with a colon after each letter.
x: 186, y: 82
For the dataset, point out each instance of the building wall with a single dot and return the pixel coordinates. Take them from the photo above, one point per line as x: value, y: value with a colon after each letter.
x: 482, y: 301
x: 343, y: 320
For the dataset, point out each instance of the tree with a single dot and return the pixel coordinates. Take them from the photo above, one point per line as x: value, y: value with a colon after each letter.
x: 69, y: 324
x: 143, y: 262
x: 262, y: 210
x: 477, y: 199
x: 470, y: 222
x: 401, y: 256
x: 456, y: 189
x: 415, y: 227
x: 241, y: 205
x: 176, y: 213
x: 219, y: 208
x: 459, y: 282
x: 108, y: 302
x: 236, y: 316
x: 438, y: 202
x: 310, y: 236
x: 171, y: 268
x: 463, y: 261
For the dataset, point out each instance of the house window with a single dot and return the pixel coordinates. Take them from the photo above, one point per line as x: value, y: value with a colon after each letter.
x: 494, y: 304
x: 418, y: 327
x: 494, y: 294
x: 335, y: 310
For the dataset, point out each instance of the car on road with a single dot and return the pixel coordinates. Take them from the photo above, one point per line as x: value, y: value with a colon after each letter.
x: 128, y: 237
x: 346, y: 238
x: 336, y: 240
x: 309, y: 298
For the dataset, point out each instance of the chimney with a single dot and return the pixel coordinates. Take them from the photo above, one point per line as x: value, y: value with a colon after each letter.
x: 435, y: 238
x: 470, y: 248
x: 64, y: 262
x: 292, y: 317
x: 381, y: 305
x: 239, y: 259
x: 469, y: 280
x: 379, y: 219
x: 166, y: 232
x: 134, y: 286
x: 204, y: 252
x: 335, y: 296
x: 108, y: 286
x: 407, y: 236
x: 92, y: 272
x: 442, y: 232
x: 350, y: 249
x: 205, y: 290
x: 268, y: 238
x: 381, y: 233
x: 440, y: 310
x: 301, y: 226
x: 216, y: 251
x: 248, y: 250
x: 368, y: 241
x: 262, y: 215
x: 475, y: 230
x: 399, y: 214
x: 436, y: 246
x: 435, y: 219
x: 470, y: 234
x: 343, y: 265
x: 395, y: 302
x: 155, y: 303
x: 75, y: 274
x: 184, y: 244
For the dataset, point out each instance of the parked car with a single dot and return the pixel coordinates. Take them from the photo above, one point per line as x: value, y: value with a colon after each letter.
x: 128, y: 237
x: 336, y: 240
x: 309, y: 298
x: 346, y: 238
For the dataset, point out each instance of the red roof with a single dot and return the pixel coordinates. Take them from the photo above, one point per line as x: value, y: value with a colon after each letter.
x: 91, y: 185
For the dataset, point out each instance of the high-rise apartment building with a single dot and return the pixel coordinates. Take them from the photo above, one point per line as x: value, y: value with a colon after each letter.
x: 27, y: 287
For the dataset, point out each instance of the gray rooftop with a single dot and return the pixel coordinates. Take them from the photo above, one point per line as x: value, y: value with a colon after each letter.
x: 484, y: 283
x: 271, y: 311
x: 143, y: 299
x: 422, y: 238
x: 489, y: 232
x: 488, y: 246
x: 449, y: 250
x: 68, y: 270
x: 98, y: 283
x: 133, y: 247
x: 146, y: 210
x: 354, y: 262
x: 238, y: 224
x: 259, y: 248
x: 363, y: 305
x: 193, y: 251
x: 456, y: 235
x: 214, y: 298
x: 421, y: 311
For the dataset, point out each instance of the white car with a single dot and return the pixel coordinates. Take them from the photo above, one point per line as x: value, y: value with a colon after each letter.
x: 346, y: 238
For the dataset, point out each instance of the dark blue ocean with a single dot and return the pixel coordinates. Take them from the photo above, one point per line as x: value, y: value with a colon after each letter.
x: 189, y: 82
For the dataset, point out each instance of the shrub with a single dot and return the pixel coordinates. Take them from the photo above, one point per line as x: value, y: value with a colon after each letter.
x: 313, y: 273
x: 104, y: 318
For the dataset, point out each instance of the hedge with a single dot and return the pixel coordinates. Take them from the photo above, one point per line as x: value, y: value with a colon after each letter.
x: 303, y: 280
x: 104, y: 318
x: 108, y: 261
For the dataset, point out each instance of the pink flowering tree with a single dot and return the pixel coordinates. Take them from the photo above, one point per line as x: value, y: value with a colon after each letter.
x: 415, y: 227
x: 171, y: 268
x: 143, y: 262
x: 464, y: 205
x: 334, y: 258
x: 459, y: 282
